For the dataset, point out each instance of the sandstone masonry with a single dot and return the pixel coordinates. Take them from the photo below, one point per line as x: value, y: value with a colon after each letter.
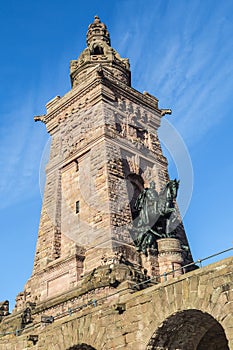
x: 90, y: 287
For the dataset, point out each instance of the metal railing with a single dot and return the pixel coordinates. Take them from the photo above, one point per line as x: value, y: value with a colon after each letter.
x: 199, y: 261
x: 134, y: 288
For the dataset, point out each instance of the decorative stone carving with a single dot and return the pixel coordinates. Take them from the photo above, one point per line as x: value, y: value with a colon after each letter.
x: 4, y: 309
x: 26, y: 317
x: 134, y: 163
x: 111, y: 260
x: 99, y: 51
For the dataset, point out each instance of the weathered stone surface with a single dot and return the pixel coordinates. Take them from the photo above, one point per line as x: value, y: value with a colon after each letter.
x: 103, y: 134
x: 89, y: 288
x: 148, y: 317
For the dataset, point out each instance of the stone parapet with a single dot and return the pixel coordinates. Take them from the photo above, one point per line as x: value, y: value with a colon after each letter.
x: 181, y: 313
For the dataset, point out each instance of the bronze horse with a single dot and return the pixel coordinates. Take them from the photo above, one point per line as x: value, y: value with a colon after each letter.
x: 156, y: 212
x: 166, y: 208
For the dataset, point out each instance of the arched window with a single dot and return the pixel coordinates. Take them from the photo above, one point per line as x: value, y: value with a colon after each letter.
x: 135, y: 185
x: 97, y: 50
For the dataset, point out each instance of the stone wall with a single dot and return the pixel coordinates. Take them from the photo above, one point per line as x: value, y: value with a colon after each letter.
x: 186, y: 312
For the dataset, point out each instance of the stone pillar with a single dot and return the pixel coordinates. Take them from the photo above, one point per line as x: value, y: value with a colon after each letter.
x: 169, y: 258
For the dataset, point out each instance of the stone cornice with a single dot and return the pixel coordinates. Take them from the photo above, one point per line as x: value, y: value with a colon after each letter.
x: 146, y: 99
x: 102, y: 78
x: 60, y: 262
x: 129, y: 147
x: 68, y: 100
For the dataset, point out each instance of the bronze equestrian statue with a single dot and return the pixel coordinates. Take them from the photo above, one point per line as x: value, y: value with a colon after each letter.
x: 156, y: 212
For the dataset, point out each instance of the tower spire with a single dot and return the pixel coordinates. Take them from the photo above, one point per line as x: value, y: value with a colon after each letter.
x: 99, y: 53
x: 97, y: 32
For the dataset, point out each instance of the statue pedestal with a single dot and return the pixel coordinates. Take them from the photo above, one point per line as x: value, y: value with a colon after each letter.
x: 169, y: 258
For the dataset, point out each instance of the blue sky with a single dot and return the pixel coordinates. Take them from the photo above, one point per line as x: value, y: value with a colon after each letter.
x: 181, y: 51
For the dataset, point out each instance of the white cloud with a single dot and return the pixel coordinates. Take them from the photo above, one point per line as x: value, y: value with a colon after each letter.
x: 20, y: 153
x: 188, y: 63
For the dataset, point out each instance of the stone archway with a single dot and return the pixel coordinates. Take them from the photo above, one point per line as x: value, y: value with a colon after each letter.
x: 189, y: 329
x: 81, y: 347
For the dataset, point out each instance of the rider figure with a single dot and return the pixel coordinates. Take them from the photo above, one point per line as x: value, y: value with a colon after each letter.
x: 146, y: 204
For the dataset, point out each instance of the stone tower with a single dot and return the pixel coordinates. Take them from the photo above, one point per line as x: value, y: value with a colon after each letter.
x: 93, y: 286
x: 104, y: 152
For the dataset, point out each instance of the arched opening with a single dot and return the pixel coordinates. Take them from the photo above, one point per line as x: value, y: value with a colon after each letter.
x: 97, y: 50
x: 215, y: 336
x: 81, y: 347
x: 189, y: 329
x: 135, y: 185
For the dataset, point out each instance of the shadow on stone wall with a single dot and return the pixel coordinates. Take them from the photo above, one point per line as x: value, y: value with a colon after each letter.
x: 189, y: 329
